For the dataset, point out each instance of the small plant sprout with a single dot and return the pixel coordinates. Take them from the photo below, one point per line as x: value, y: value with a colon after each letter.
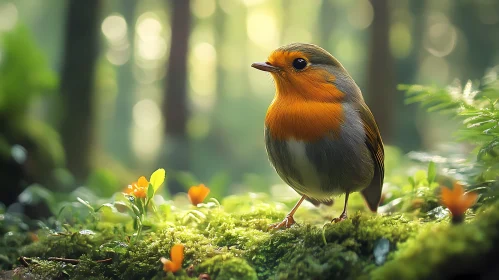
x: 140, y: 195
x: 197, y: 194
x: 176, y: 258
x: 457, y: 201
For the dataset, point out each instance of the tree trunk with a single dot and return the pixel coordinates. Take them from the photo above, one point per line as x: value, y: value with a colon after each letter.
x: 77, y: 85
x: 381, y: 80
x: 175, y: 104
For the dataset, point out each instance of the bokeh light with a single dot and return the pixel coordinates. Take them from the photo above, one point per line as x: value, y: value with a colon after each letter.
x: 146, y: 131
x: 151, y: 44
x: 203, y: 8
x: 148, y: 26
x: 250, y: 3
x: 262, y: 29
x: 203, y: 72
x: 205, y: 54
x: 440, y: 38
x: 229, y: 6
x: 400, y: 40
x: 8, y: 16
x: 361, y: 14
x: 114, y: 27
x: 347, y: 49
x: 202, y: 33
x: 118, y: 55
x: 146, y: 114
x: 146, y: 143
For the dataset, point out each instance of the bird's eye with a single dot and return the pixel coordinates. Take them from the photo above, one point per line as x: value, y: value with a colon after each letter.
x: 299, y: 63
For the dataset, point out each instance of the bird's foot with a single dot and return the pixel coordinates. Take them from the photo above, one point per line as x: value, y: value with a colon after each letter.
x: 286, y: 223
x: 342, y: 217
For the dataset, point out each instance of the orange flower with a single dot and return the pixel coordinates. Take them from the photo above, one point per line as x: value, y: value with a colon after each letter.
x: 139, y: 188
x: 176, y: 256
x: 457, y: 201
x: 197, y: 194
x: 33, y: 236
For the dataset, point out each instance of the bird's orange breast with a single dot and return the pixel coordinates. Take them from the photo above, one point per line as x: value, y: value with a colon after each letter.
x: 307, y: 107
x: 303, y: 121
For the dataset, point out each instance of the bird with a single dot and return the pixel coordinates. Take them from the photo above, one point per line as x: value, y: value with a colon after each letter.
x: 320, y: 136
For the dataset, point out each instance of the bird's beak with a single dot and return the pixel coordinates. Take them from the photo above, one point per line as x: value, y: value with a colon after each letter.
x: 265, y: 66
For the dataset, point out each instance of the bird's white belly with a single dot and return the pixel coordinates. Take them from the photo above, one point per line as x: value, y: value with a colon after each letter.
x: 307, y: 170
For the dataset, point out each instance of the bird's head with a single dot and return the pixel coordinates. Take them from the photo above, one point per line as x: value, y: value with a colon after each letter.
x: 309, y: 72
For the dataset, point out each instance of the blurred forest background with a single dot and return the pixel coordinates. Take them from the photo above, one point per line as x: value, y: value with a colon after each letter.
x: 97, y: 93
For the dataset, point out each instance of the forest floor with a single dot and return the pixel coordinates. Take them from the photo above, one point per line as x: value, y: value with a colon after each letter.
x: 231, y: 240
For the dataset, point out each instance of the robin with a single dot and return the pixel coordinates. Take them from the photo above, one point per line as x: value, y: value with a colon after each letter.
x: 320, y: 135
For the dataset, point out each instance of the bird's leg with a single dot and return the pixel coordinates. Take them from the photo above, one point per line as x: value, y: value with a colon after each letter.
x: 289, y: 220
x: 343, y: 215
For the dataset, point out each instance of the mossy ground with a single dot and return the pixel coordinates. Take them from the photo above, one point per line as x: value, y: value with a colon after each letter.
x: 231, y: 241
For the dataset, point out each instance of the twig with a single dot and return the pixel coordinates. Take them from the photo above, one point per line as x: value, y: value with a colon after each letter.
x: 105, y: 260
x: 24, y: 261
x: 76, y: 261
x: 73, y: 261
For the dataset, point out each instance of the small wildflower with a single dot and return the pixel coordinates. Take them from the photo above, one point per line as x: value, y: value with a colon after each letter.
x: 139, y: 188
x: 190, y: 270
x: 197, y: 194
x: 204, y: 276
x: 33, y: 236
x: 176, y: 259
x: 457, y: 201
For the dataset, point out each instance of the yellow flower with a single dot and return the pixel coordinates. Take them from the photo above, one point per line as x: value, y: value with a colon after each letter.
x: 176, y: 256
x: 139, y: 188
x: 197, y: 194
x: 457, y: 201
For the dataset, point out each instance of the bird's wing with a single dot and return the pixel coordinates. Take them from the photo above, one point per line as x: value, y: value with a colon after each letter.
x: 372, y: 194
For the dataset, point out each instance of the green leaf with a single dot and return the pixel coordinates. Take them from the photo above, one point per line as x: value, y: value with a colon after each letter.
x: 109, y: 213
x: 150, y: 191
x: 432, y: 172
x: 104, y: 205
x: 60, y: 212
x: 86, y: 203
x: 157, y: 179
x: 140, y: 206
x: 136, y: 210
x: 487, y: 149
x: 420, y: 176
x: 412, y: 182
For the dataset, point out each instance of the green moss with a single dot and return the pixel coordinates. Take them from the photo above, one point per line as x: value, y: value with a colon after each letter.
x: 350, y: 242
x: 227, y: 267
x: 41, y: 269
x: 332, y: 261
x: 446, y: 251
x: 63, y: 245
x: 237, y: 245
